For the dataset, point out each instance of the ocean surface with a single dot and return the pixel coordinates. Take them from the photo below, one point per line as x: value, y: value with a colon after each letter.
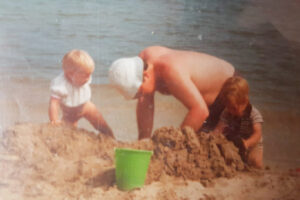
x: 261, y: 39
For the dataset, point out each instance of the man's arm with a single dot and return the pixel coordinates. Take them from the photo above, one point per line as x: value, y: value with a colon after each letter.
x: 255, y: 137
x: 144, y: 113
x: 53, y: 110
x: 182, y: 87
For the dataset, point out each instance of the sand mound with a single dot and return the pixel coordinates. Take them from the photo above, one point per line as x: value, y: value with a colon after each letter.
x: 61, y: 154
x: 60, y: 158
x: 48, y: 162
x: 195, y: 157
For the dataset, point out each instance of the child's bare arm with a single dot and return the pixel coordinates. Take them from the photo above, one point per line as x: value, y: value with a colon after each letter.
x: 255, y: 137
x: 145, y: 112
x: 53, y: 111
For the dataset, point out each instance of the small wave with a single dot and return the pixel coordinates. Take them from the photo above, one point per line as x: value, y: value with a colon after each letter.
x: 73, y: 14
x: 127, y: 19
x: 243, y: 33
x: 96, y: 36
x: 71, y: 35
x: 23, y: 80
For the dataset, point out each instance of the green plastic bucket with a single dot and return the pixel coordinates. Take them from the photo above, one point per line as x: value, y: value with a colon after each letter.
x: 131, y: 167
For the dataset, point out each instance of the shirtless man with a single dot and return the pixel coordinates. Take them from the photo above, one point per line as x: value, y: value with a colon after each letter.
x: 195, y: 79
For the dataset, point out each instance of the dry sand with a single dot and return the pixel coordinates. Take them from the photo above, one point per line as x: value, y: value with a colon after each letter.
x: 39, y: 161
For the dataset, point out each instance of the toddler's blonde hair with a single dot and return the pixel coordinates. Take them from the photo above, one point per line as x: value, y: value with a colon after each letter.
x: 77, y: 58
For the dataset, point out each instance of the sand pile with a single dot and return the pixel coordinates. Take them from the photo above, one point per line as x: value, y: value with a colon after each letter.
x: 43, y: 159
x: 64, y: 154
x: 40, y: 161
x: 193, y: 156
x: 52, y: 159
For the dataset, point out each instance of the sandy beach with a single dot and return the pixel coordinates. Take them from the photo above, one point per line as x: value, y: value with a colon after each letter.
x: 39, y: 161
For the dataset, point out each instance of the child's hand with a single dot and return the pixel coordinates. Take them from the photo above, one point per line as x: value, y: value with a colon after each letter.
x: 245, y: 144
x: 239, y: 143
x: 56, y: 123
x: 215, y: 132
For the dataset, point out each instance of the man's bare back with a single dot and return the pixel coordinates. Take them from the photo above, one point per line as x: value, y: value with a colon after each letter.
x: 208, y: 73
x: 195, y: 79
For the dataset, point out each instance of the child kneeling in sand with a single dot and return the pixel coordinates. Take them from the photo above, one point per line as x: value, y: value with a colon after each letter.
x: 241, y: 122
x: 71, y: 92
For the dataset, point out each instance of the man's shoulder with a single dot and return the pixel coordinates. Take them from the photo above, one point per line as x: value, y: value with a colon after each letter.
x: 165, y: 70
x: 153, y: 53
x: 154, y: 48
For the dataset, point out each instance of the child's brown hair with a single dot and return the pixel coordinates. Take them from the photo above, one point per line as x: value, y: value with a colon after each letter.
x: 235, y: 91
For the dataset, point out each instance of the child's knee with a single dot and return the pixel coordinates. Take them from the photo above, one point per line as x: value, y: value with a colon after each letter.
x: 255, y: 159
x: 89, y: 108
x: 256, y: 162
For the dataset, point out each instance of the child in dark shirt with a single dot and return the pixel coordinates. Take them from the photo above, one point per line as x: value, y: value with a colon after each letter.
x: 241, y: 122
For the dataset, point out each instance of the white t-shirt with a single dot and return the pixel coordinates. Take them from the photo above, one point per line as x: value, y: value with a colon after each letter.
x: 70, y: 95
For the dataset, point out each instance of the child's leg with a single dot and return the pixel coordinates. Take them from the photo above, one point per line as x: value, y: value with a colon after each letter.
x: 91, y: 113
x: 71, y: 115
x: 255, y: 156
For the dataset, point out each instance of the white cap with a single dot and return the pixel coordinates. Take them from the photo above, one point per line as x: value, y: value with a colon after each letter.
x: 126, y: 74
